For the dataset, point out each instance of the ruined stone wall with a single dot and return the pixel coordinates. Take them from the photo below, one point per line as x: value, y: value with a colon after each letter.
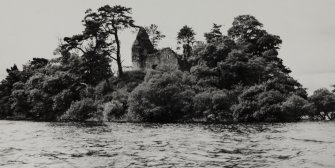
x: 165, y: 56
x: 144, y: 56
x: 168, y: 56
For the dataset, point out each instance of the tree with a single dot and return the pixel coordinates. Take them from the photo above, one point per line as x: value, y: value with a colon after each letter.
x: 186, y: 38
x: 13, y: 76
x: 6, y: 87
x: 324, y: 102
x: 114, y: 19
x: 94, y: 55
x: 254, y: 58
x: 211, y: 54
x: 246, y: 27
x: 154, y: 34
x: 252, y: 39
x: 214, y: 34
x: 101, y: 35
x: 37, y: 63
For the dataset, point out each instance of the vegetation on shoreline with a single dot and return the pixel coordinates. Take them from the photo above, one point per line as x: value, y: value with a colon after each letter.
x: 234, y: 77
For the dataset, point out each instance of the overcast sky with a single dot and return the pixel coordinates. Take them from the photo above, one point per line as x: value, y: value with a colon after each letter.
x: 307, y: 27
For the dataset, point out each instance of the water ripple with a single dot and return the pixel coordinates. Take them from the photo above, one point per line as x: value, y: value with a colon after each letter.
x: 39, y: 144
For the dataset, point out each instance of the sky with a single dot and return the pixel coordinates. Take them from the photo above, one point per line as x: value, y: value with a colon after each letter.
x: 33, y: 28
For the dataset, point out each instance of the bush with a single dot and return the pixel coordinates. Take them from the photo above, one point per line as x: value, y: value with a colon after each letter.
x: 113, y: 110
x: 162, y: 97
x: 102, y: 88
x: 213, y: 105
x: 248, y: 107
x: 257, y: 103
x: 42, y: 105
x: 269, y: 106
x: 295, y: 107
x: 18, y: 85
x: 19, y: 103
x: 62, y: 101
x: 81, y: 110
x: 324, y: 102
x: 243, y: 111
x: 35, y: 81
x: 129, y: 81
x: 204, y: 77
x: 54, y: 84
x: 5, y: 106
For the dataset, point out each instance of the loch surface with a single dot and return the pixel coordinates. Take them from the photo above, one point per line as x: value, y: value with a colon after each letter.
x: 42, y: 144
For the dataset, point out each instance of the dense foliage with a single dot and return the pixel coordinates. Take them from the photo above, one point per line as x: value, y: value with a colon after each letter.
x: 233, y: 77
x: 163, y: 96
x: 324, y: 103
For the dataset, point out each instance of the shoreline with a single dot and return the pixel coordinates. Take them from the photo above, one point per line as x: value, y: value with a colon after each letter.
x: 183, y: 122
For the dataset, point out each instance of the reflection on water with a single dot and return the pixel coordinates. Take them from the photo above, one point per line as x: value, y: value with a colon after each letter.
x: 35, y: 144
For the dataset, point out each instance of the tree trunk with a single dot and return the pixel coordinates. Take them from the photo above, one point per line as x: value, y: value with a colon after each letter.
x: 118, y: 54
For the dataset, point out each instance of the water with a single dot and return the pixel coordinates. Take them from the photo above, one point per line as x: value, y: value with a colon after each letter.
x: 41, y: 144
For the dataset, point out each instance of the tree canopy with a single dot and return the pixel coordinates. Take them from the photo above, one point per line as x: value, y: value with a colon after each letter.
x: 232, y: 77
x: 154, y: 34
x: 214, y: 34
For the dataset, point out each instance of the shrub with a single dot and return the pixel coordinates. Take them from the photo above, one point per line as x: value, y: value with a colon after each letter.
x: 102, y: 88
x: 19, y: 103
x: 162, y: 97
x: 87, y: 92
x: 54, y: 84
x: 81, y: 110
x: 243, y: 111
x: 113, y: 110
x: 5, y: 106
x: 257, y: 103
x: 213, y: 105
x: 18, y: 85
x: 269, y: 106
x: 62, y: 101
x: 42, y: 104
x: 35, y: 81
x: 324, y: 102
x: 294, y: 108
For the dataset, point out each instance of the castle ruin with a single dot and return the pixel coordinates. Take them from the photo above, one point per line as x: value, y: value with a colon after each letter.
x: 145, y: 56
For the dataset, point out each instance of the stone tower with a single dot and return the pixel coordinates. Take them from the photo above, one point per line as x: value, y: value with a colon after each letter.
x: 144, y: 56
x: 141, y: 48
